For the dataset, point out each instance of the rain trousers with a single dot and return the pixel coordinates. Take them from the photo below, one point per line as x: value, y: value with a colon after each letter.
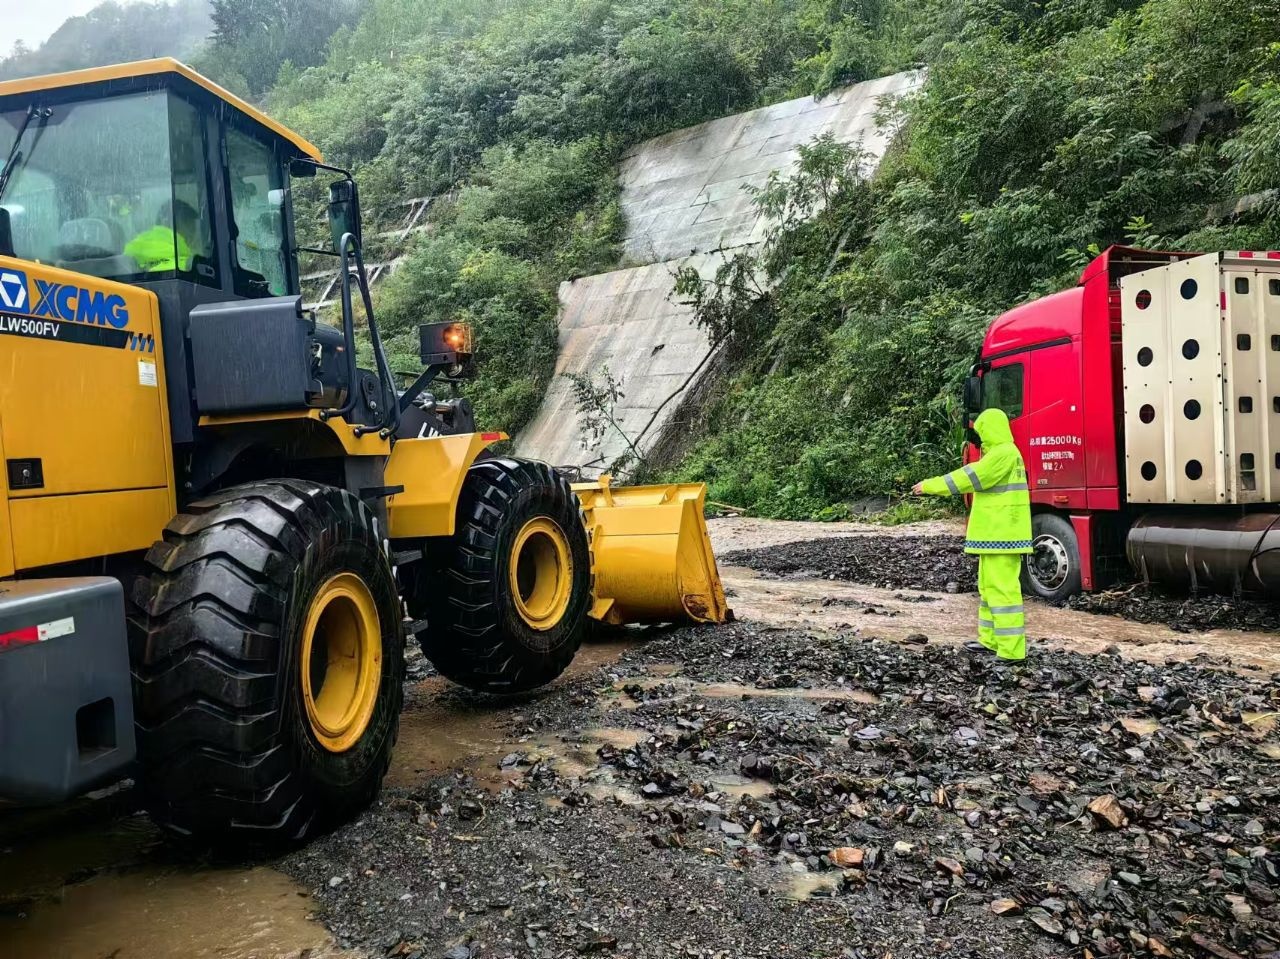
x: 999, y: 531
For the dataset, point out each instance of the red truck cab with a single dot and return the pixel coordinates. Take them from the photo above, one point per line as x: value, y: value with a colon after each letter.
x: 1053, y: 365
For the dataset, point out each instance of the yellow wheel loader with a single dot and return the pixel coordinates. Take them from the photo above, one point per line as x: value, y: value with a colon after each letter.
x: 216, y: 528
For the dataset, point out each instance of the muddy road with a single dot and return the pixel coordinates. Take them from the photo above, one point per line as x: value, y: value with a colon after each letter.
x: 831, y: 776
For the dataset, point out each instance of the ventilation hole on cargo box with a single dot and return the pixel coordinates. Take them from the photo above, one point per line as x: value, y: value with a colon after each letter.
x: 1248, y: 476
x: 1242, y: 284
x: 1145, y: 356
x: 1147, y: 413
x: 1244, y: 341
x: 1148, y: 471
x: 1191, y: 349
x: 1143, y: 299
x: 1246, y: 404
x: 1191, y: 409
x: 1188, y: 289
x: 1194, y: 470
x: 1273, y: 287
x: 1278, y: 461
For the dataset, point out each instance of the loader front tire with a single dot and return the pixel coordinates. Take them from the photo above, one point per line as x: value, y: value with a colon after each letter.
x: 267, y: 652
x: 507, y: 610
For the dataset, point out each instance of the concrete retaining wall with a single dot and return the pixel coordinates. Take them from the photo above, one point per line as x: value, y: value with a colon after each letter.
x: 684, y: 201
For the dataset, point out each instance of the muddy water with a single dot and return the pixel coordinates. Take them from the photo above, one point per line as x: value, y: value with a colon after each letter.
x: 92, y: 890
x: 95, y: 880
x: 443, y: 729
x: 892, y: 614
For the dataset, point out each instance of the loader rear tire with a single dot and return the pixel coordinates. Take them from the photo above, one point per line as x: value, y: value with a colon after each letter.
x: 508, y: 609
x: 268, y: 659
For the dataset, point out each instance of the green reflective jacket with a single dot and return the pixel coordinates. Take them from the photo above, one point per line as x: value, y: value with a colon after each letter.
x: 159, y: 249
x: 1000, y: 521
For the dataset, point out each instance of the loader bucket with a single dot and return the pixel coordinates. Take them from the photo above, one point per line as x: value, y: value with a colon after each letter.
x: 653, y: 558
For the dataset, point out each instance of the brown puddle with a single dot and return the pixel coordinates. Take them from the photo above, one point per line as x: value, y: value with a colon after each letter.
x: 442, y: 736
x: 172, y: 914
x: 99, y: 883
x: 446, y: 733
x: 810, y: 885
x: 733, y: 785
x: 136, y: 905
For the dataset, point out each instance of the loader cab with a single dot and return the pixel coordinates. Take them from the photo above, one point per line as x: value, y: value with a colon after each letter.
x: 150, y: 175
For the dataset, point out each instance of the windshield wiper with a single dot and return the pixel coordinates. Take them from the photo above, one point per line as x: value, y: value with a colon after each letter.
x: 15, y: 153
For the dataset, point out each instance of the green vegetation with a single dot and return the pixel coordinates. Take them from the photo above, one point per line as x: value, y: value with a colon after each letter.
x: 517, y: 112
x: 1045, y: 133
x: 1047, y: 130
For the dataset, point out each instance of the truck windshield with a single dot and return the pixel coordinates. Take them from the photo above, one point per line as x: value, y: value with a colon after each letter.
x: 112, y: 187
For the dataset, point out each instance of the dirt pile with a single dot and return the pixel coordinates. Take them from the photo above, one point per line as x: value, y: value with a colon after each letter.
x: 773, y: 793
x: 935, y: 563
x: 1183, y: 613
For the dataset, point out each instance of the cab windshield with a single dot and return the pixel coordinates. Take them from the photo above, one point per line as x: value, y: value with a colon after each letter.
x: 113, y: 187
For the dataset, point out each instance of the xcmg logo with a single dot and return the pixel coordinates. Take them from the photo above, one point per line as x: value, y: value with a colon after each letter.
x: 62, y: 301
x: 13, y: 290
x: 75, y: 303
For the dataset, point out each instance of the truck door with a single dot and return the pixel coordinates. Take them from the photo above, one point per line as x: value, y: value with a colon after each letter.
x: 1054, y: 420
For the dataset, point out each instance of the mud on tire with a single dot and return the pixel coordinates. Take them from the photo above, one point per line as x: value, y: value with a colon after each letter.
x: 492, y: 623
x: 227, y: 745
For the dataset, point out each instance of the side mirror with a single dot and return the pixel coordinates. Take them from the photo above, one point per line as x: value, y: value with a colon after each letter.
x: 344, y: 211
x: 973, y: 394
x: 301, y: 169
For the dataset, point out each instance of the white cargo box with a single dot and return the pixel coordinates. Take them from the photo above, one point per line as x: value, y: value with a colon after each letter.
x: 1201, y: 346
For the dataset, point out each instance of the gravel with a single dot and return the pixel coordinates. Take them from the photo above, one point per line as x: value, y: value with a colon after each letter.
x: 936, y: 563
x: 1073, y: 805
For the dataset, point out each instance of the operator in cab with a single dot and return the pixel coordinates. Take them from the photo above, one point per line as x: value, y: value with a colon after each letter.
x: 167, y: 245
x: 999, y: 531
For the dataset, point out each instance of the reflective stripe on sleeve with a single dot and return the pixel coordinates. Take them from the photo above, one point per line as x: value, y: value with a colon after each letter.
x: 1008, y: 488
x: 970, y: 472
x: 951, y: 484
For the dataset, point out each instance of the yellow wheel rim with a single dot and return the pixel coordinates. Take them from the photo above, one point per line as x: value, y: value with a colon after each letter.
x: 541, y: 574
x: 341, y: 661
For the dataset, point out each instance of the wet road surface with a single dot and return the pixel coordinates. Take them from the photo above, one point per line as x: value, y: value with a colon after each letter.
x: 94, y: 880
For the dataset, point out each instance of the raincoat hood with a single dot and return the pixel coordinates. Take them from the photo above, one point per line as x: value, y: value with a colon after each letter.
x: 993, y: 428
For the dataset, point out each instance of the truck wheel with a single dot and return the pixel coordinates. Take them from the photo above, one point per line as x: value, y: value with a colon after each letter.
x: 268, y: 660
x: 1052, y: 570
x: 508, y: 610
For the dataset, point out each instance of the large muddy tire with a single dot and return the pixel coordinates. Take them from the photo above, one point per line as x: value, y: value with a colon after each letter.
x: 507, y: 610
x: 268, y: 658
x: 1051, y: 570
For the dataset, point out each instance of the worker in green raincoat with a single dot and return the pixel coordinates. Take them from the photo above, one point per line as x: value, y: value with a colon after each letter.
x: 999, y: 530
x: 167, y: 245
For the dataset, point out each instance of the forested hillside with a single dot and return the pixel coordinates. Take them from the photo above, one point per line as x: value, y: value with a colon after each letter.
x: 1045, y: 131
x: 112, y: 33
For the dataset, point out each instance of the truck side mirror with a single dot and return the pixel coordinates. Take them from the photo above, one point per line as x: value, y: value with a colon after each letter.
x: 344, y: 212
x: 301, y: 169
x: 973, y: 394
